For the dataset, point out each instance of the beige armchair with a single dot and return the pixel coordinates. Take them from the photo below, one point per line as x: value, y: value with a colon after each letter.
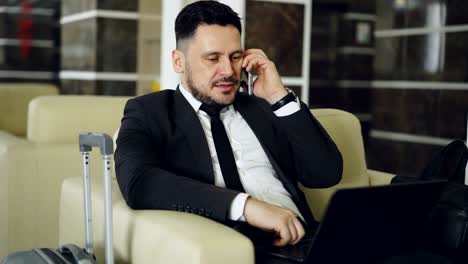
x: 32, y: 171
x: 14, y: 99
x: 173, y: 237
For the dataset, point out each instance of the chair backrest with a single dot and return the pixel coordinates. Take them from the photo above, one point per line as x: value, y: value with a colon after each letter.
x: 345, y: 130
x: 14, y: 100
x: 59, y: 119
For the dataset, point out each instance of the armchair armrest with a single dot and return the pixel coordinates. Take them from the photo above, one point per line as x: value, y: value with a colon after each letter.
x: 150, y: 236
x: 31, y: 175
x: 7, y: 142
x: 379, y: 177
x: 176, y: 237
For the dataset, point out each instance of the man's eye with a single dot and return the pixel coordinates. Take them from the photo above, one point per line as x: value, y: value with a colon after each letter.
x: 213, y: 59
x: 236, y: 58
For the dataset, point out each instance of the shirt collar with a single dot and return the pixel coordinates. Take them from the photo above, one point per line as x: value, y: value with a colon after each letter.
x: 192, y: 100
x: 196, y: 104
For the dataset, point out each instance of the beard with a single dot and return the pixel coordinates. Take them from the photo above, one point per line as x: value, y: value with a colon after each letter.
x: 202, y: 93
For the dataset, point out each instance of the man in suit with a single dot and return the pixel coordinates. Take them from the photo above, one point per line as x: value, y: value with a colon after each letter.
x: 207, y: 149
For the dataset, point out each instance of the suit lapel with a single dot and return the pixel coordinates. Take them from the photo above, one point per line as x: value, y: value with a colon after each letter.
x: 269, y: 139
x: 260, y: 125
x: 187, y: 120
x: 266, y: 133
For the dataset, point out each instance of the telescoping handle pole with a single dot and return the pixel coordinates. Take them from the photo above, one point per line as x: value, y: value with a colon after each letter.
x: 466, y: 142
x: 87, y: 204
x: 87, y: 141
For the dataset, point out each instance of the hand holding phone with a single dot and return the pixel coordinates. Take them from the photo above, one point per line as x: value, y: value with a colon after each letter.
x: 267, y: 84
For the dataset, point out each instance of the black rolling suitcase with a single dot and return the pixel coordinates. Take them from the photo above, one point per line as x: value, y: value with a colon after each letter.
x: 70, y: 254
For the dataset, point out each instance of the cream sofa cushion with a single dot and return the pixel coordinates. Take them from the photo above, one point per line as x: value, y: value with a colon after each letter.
x: 59, y: 119
x: 14, y: 99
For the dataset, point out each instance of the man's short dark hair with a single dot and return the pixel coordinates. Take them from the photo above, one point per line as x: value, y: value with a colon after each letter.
x: 204, y: 12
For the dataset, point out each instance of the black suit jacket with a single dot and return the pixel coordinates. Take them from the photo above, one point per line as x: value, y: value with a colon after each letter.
x: 163, y: 160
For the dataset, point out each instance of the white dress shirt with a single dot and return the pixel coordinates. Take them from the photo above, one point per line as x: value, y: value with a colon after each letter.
x: 256, y: 173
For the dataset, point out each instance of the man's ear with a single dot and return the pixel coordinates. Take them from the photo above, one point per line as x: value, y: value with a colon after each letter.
x: 178, y: 61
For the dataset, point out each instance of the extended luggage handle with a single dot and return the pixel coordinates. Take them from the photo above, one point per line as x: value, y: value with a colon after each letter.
x: 101, y: 140
x: 87, y: 141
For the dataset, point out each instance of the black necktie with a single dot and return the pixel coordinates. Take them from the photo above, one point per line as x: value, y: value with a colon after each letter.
x: 223, y: 148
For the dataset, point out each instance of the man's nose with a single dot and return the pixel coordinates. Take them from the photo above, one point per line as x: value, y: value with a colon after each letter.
x: 226, y: 68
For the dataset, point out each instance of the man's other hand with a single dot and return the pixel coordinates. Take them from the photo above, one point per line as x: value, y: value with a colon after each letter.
x: 276, y: 219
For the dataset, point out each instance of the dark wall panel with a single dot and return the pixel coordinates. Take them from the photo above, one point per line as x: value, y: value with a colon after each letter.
x: 456, y: 12
x: 278, y: 30
x: 361, y: 6
x: 116, y: 88
x: 402, y: 158
x: 435, y: 113
x: 434, y: 109
x: 117, y: 45
x: 70, y: 7
x: 440, y: 57
x: 30, y: 36
x: 354, y: 67
x: 79, y: 42
x: 38, y: 59
x: 100, y: 45
x: 120, y: 5
x: 389, y: 62
x: 390, y: 16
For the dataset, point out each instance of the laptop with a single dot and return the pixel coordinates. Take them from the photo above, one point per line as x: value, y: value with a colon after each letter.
x: 363, y: 225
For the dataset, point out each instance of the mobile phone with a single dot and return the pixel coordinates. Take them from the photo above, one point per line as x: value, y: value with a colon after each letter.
x: 249, y: 78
